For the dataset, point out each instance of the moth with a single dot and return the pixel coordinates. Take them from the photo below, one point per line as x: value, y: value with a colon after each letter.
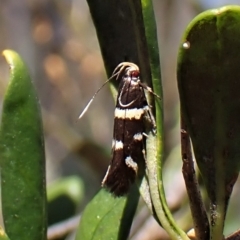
x: 128, y: 144
x: 130, y: 116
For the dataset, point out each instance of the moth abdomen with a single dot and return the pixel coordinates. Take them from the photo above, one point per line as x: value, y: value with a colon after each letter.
x: 119, y: 179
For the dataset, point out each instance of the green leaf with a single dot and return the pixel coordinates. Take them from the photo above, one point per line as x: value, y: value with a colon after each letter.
x: 108, y: 217
x: 22, y: 157
x: 208, y: 81
x: 114, y: 26
x: 3, y: 235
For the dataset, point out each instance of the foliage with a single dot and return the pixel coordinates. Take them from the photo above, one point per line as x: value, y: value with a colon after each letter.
x: 207, y: 74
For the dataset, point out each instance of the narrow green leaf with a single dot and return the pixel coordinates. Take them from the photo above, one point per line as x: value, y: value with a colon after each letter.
x: 108, y: 217
x: 155, y: 143
x: 22, y: 157
x: 208, y: 81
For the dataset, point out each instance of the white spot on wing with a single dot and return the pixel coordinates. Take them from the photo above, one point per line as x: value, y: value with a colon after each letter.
x: 134, y: 113
x: 118, y: 145
x: 138, y: 136
x: 119, y: 113
x: 130, y: 163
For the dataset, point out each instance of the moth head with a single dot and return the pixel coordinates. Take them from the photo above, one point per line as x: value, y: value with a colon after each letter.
x: 127, y: 69
x: 132, y: 73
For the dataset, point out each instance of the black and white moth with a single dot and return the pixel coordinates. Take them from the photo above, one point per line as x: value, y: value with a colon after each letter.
x: 128, y: 145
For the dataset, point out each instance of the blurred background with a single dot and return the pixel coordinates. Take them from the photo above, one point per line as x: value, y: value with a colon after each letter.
x: 58, y: 42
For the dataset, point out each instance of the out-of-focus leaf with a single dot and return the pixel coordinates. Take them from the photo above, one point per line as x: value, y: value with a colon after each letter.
x: 71, y: 186
x: 22, y: 156
x: 208, y: 81
x: 65, y: 194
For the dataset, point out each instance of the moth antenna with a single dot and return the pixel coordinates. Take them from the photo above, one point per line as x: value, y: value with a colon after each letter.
x: 86, y: 108
x: 95, y: 94
x: 121, y: 66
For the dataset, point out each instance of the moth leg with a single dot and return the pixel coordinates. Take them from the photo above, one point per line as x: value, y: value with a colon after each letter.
x: 144, y: 154
x: 106, y: 175
x: 148, y: 89
x: 150, y: 118
x: 145, y: 135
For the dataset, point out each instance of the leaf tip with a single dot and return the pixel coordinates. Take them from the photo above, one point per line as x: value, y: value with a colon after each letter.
x: 10, y: 56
